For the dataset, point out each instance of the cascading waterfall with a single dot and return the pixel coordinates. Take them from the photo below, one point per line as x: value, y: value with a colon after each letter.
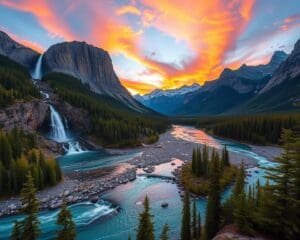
x: 37, y: 72
x: 58, y: 130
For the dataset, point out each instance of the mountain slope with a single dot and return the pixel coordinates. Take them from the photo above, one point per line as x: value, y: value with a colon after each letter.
x: 17, y: 52
x: 282, y: 93
x: 91, y: 65
x: 166, y: 101
x: 231, y: 89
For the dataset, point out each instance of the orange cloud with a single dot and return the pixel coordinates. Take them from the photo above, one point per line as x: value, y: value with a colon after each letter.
x: 210, y: 28
x: 45, y: 14
x: 137, y: 87
x: 128, y: 10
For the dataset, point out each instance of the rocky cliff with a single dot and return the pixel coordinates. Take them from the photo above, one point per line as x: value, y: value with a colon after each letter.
x: 290, y: 68
x: 17, y: 52
x: 28, y: 116
x: 92, y: 65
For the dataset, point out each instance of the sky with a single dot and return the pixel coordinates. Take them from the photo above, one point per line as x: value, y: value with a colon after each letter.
x: 159, y: 43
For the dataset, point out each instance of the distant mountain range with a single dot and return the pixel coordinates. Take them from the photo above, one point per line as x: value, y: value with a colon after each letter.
x: 273, y: 87
x: 167, y: 101
x: 85, y: 62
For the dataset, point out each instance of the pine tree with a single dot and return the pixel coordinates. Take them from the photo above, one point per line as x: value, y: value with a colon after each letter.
x: 17, y: 231
x: 213, y: 205
x: 240, y: 181
x: 241, y: 214
x: 225, y: 157
x: 30, y: 225
x: 186, y: 218
x: 164, y: 233
x: 145, y: 229
x: 194, y: 221
x: 67, y: 229
x: 199, y: 227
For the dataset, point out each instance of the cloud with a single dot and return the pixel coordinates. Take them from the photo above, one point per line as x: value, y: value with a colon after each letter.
x: 128, y: 10
x: 210, y: 29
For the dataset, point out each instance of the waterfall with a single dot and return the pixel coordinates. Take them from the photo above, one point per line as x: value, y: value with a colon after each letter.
x: 58, y: 132
x: 58, y: 129
x: 37, y: 72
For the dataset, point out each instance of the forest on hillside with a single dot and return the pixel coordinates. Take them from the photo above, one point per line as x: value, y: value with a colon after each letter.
x: 19, y: 154
x: 256, y: 129
x: 114, y: 124
x: 15, y: 83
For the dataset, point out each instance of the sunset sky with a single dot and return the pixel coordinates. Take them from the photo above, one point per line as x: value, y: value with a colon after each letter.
x: 160, y: 43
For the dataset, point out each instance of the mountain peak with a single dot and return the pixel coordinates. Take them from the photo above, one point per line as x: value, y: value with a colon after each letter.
x: 278, y: 57
x: 16, y: 52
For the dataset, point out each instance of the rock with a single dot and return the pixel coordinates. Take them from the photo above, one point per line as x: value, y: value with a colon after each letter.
x: 91, y: 65
x: 94, y: 199
x: 28, y: 116
x: 17, y: 52
x: 164, y: 205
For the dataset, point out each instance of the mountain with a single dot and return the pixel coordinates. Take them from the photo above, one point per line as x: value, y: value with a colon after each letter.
x: 17, y: 52
x: 92, y: 65
x: 282, y: 92
x: 166, y: 102
x: 231, y: 89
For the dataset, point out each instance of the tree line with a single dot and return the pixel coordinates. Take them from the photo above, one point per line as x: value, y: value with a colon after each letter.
x: 195, y: 175
x: 260, y: 129
x: 15, y: 83
x: 18, y: 155
x: 113, y: 123
x: 273, y: 209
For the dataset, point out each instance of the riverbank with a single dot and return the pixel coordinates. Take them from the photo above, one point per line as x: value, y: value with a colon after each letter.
x: 85, y: 186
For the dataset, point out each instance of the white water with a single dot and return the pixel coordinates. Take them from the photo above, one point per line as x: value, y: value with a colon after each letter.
x: 58, y: 132
x: 37, y: 72
x: 74, y: 148
x: 58, y: 129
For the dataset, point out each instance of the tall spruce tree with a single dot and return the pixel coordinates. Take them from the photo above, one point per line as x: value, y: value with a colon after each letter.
x: 30, y: 225
x: 194, y: 221
x: 186, y: 218
x: 17, y: 231
x: 212, y: 222
x: 165, y: 232
x: 199, y: 227
x: 145, y: 230
x: 67, y: 229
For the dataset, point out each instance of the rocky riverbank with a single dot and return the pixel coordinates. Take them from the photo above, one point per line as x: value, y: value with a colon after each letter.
x: 74, y: 190
x: 83, y: 187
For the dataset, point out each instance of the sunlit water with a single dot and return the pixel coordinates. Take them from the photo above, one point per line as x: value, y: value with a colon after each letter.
x: 116, y: 214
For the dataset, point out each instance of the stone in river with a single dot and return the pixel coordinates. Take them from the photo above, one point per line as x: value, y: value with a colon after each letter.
x: 94, y: 199
x: 164, y: 205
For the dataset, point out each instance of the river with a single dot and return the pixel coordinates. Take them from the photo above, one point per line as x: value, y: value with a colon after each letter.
x: 116, y: 213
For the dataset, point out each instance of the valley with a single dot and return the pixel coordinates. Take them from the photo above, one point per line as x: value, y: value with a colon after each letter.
x: 118, y: 199
x: 162, y: 120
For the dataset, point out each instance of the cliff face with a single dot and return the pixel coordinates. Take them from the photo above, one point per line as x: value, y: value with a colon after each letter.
x: 28, y: 116
x: 91, y: 65
x: 289, y: 69
x: 17, y: 52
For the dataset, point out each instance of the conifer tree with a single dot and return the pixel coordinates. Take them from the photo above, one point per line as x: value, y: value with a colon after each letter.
x: 241, y: 214
x: 17, y: 231
x: 213, y: 205
x: 67, y: 230
x: 30, y: 225
x: 199, y: 227
x: 194, y: 221
x: 240, y: 181
x: 164, y: 233
x: 225, y: 157
x: 145, y: 230
x: 186, y: 218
